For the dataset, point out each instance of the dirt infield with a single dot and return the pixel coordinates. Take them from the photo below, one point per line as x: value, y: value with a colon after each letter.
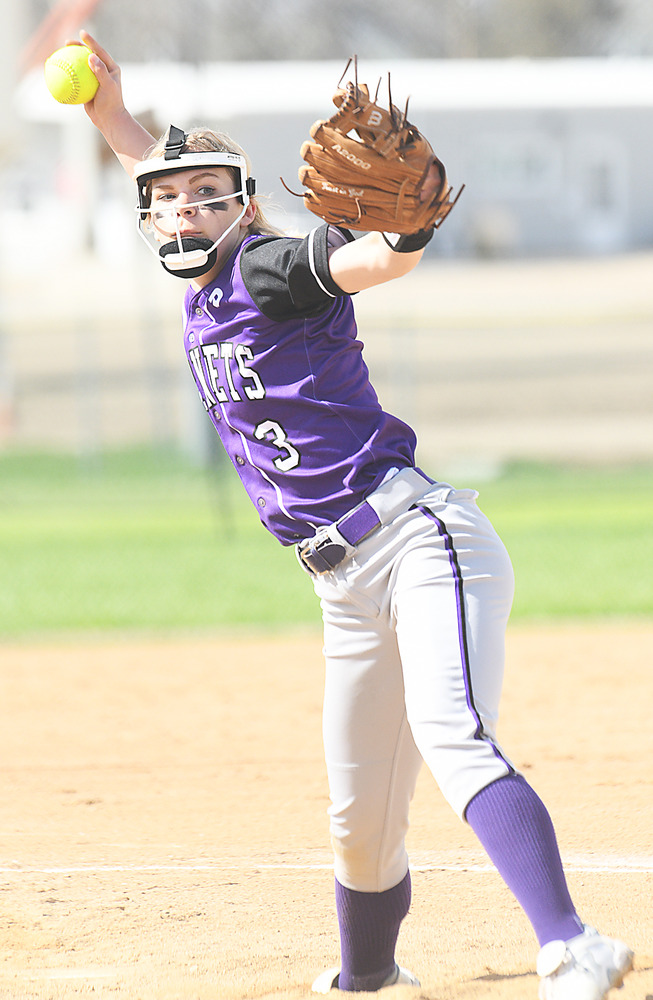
x: 164, y: 832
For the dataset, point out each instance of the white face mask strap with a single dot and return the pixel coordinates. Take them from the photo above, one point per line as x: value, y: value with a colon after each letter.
x: 178, y: 236
x: 232, y: 226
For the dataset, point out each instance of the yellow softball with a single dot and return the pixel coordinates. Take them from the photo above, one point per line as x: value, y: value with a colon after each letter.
x: 68, y: 76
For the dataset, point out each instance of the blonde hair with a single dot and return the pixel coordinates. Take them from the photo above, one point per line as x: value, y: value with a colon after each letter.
x: 208, y: 140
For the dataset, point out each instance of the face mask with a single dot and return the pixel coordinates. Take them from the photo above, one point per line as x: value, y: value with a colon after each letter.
x: 185, y: 256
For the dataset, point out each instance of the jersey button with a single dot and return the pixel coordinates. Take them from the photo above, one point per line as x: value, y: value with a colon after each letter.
x: 261, y: 502
x: 240, y: 460
x: 198, y: 310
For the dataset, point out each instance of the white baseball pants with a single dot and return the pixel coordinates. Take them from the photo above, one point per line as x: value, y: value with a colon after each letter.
x: 414, y: 626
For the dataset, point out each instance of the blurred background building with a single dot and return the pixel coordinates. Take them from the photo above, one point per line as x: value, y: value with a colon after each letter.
x: 542, y: 108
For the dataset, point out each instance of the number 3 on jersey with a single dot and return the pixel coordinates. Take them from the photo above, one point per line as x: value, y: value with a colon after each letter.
x: 270, y: 430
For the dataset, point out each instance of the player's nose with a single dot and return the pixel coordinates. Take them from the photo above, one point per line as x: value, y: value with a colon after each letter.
x: 182, y: 205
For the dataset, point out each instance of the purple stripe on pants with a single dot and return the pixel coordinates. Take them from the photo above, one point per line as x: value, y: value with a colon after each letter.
x: 480, y: 733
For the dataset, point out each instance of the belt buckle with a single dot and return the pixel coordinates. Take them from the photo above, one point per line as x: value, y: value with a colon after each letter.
x: 321, y: 554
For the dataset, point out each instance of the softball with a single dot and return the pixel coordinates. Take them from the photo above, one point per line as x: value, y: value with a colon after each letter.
x: 68, y: 76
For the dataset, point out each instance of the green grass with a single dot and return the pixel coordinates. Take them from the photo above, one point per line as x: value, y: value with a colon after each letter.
x: 581, y: 540
x: 146, y: 541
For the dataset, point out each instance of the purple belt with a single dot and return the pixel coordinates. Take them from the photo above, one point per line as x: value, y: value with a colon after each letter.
x: 323, y: 552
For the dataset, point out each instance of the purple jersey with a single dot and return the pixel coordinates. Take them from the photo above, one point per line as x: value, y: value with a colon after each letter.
x: 272, y: 344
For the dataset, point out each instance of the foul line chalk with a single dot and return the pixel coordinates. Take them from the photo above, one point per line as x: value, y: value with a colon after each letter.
x: 574, y: 864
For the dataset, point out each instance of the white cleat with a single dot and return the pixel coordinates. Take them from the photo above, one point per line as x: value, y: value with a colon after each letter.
x: 586, y: 967
x: 328, y: 980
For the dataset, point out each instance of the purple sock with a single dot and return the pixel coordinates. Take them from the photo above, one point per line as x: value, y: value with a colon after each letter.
x: 369, y: 927
x: 515, y: 829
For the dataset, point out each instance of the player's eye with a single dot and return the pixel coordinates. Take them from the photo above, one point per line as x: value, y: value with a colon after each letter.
x: 205, y: 193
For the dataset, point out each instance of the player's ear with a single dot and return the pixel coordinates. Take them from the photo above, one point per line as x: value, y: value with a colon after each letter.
x: 249, y: 216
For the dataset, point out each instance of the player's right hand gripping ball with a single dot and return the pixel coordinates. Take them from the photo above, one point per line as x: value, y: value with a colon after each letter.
x: 373, y: 180
x: 68, y: 76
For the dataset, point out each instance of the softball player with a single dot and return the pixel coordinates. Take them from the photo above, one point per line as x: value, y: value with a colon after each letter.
x: 414, y: 584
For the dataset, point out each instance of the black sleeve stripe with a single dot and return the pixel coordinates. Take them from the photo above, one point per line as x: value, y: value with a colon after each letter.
x: 288, y: 277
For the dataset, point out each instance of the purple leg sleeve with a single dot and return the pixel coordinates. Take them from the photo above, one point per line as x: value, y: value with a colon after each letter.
x: 369, y: 927
x: 515, y: 828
